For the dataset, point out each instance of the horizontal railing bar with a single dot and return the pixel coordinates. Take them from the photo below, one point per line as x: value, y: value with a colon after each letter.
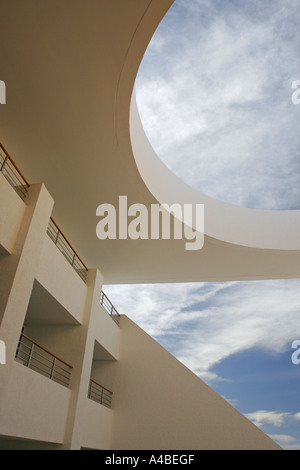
x: 100, y: 396
x: 20, y: 188
x: 34, y: 357
x: 66, y: 249
x: 13, y: 163
x: 100, y: 400
x: 109, y: 302
x: 101, y: 386
x: 108, y: 306
x: 35, y: 367
x: 36, y: 354
x: 46, y: 368
x: 101, y: 392
x: 9, y: 170
x: 48, y: 352
x: 38, y: 362
x: 16, y: 179
x: 68, y: 243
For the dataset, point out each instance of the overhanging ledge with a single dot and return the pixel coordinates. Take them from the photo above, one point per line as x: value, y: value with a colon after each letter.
x: 68, y: 126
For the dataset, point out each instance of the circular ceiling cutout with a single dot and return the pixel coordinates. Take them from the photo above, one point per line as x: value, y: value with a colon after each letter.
x: 214, y: 93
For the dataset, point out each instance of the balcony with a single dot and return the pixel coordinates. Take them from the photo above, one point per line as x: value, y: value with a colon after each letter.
x: 66, y: 249
x: 15, y: 178
x: 21, y: 186
x: 100, y: 394
x: 34, y: 356
x: 12, y: 174
x: 110, y: 309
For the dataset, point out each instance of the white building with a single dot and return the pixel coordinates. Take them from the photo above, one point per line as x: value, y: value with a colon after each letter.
x: 92, y: 378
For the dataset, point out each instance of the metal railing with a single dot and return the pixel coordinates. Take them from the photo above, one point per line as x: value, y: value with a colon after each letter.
x: 12, y: 174
x: 66, y: 249
x: 108, y: 306
x: 15, y: 178
x: 34, y: 356
x: 100, y: 394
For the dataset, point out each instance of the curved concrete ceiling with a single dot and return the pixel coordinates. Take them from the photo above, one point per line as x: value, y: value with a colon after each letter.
x: 70, y: 69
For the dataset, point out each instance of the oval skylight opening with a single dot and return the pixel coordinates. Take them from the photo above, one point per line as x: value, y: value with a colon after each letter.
x: 214, y: 92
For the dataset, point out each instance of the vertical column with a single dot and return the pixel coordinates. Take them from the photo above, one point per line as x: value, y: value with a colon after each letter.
x: 83, y: 362
x: 17, y: 271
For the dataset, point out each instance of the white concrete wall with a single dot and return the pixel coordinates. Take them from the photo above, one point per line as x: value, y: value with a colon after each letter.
x: 106, y: 331
x: 157, y: 402
x: 12, y: 210
x: 56, y: 274
x: 160, y: 404
x: 96, y: 426
x: 33, y: 406
x: 96, y: 326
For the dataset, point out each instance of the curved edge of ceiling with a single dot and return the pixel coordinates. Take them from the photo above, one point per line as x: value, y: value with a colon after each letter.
x: 252, y: 228
x: 223, y: 222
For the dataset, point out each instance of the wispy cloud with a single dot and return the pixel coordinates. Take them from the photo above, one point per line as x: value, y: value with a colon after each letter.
x: 284, y: 438
x: 262, y: 417
x: 277, y: 419
x: 204, y: 323
x: 214, y: 90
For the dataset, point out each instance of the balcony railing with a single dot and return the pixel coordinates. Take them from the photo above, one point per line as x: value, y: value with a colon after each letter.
x: 34, y: 356
x: 108, y: 306
x: 66, y: 249
x: 15, y: 178
x: 100, y: 394
x: 12, y: 174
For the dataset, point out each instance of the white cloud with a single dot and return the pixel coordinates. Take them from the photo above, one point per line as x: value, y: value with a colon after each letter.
x: 276, y: 419
x: 204, y: 323
x: 283, y: 438
x: 262, y: 417
x: 216, y: 92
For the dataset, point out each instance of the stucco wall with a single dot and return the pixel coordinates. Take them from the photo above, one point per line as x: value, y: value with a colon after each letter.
x: 57, y: 275
x: 160, y: 404
x: 12, y: 210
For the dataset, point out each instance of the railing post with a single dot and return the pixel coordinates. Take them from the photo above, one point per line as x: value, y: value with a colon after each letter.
x: 53, y: 367
x: 3, y: 163
x: 57, y: 237
x: 64, y: 247
x: 30, y: 355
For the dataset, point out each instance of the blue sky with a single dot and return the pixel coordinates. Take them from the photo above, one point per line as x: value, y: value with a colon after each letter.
x: 214, y: 90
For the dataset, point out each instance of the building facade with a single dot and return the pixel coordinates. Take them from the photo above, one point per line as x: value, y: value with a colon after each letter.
x: 77, y: 374
x: 74, y: 373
